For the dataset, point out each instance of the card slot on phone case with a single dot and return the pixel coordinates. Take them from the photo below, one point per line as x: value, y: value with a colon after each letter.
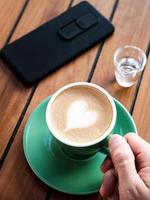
x: 78, y: 26
x: 87, y: 21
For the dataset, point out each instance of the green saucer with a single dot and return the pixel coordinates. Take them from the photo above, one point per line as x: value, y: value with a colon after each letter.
x: 55, y: 168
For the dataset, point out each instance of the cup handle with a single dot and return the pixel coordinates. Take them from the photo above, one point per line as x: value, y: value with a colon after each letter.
x: 105, y: 149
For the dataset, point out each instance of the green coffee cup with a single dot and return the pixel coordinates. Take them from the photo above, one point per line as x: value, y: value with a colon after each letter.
x: 79, y: 150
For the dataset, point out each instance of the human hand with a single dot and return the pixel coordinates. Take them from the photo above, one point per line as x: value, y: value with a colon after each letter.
x: 127, y: 172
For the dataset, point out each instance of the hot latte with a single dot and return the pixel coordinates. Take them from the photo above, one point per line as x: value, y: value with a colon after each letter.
x: 81, y: 114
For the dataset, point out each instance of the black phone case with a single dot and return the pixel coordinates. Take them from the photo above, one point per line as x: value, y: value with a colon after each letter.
x: 58, y: 41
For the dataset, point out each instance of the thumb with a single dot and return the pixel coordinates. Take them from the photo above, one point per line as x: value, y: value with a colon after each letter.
x: 141, y: 150
x: 123, y: 159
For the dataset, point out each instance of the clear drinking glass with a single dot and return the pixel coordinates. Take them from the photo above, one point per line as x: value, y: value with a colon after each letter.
x: 129, y: 63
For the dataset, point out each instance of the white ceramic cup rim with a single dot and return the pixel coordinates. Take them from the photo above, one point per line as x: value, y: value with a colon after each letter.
x: 75, y: 144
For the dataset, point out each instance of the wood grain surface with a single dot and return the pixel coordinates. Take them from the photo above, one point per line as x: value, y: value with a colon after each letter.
x: 9, y: 15
x: 141, y: 112
x: 17, y: 181
x: 77, y: 70
x: 130, y: 28
x: 9, y: 12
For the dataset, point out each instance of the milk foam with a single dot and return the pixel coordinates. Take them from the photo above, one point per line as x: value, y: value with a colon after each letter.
x: 80, y: 116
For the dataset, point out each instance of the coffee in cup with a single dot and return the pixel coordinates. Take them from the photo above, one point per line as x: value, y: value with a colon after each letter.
x: 80, y: 114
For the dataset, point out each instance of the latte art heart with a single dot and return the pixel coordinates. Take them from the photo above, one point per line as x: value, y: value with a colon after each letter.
x: 79, y: 116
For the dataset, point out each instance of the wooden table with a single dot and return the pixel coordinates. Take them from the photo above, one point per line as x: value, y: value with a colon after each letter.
x: 18, y: 17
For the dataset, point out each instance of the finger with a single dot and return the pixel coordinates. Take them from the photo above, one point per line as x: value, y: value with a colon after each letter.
x: 106, y: 165
x: 123, y: 158
x: 145, y: 176
x: 141, y: 150
x: 109, y: 182
x: 115, y: 194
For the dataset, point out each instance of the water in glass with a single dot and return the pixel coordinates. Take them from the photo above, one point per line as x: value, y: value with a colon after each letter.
x: 127, y: 71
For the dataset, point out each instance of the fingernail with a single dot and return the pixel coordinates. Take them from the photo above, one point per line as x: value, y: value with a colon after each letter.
x: 114, y: 141
x: 131, y: 133
x: 101, y: 189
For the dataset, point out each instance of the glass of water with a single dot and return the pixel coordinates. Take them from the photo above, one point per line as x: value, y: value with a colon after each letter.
x: 129, y: 63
